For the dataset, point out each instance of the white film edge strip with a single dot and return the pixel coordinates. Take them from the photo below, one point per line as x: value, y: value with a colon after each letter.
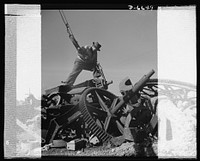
x: 176, y: 30
x: 23, y: 29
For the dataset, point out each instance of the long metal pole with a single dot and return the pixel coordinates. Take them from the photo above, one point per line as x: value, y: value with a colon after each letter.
x: 62, y: 14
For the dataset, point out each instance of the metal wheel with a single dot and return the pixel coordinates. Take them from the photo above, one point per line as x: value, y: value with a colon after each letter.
x: 59, y: 99
x: 176, y: 91
x: 55, y: 99
x: 96, y: 106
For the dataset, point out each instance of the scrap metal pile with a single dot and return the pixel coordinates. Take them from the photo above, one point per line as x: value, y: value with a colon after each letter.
x: 90, y: 112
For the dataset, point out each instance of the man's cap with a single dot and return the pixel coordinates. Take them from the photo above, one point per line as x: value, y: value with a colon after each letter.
x: 97, y: 45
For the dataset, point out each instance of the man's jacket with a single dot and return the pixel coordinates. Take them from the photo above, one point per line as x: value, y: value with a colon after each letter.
x: 87, y: 54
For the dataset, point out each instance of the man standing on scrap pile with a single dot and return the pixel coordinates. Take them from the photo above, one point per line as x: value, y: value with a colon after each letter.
x: 86, y: 60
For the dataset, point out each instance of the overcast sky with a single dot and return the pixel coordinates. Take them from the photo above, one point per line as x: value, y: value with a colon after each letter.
x: 128, y: 39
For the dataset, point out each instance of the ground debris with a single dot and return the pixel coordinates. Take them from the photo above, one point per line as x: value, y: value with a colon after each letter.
x: 125, y: 149
x: 117, y: 141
